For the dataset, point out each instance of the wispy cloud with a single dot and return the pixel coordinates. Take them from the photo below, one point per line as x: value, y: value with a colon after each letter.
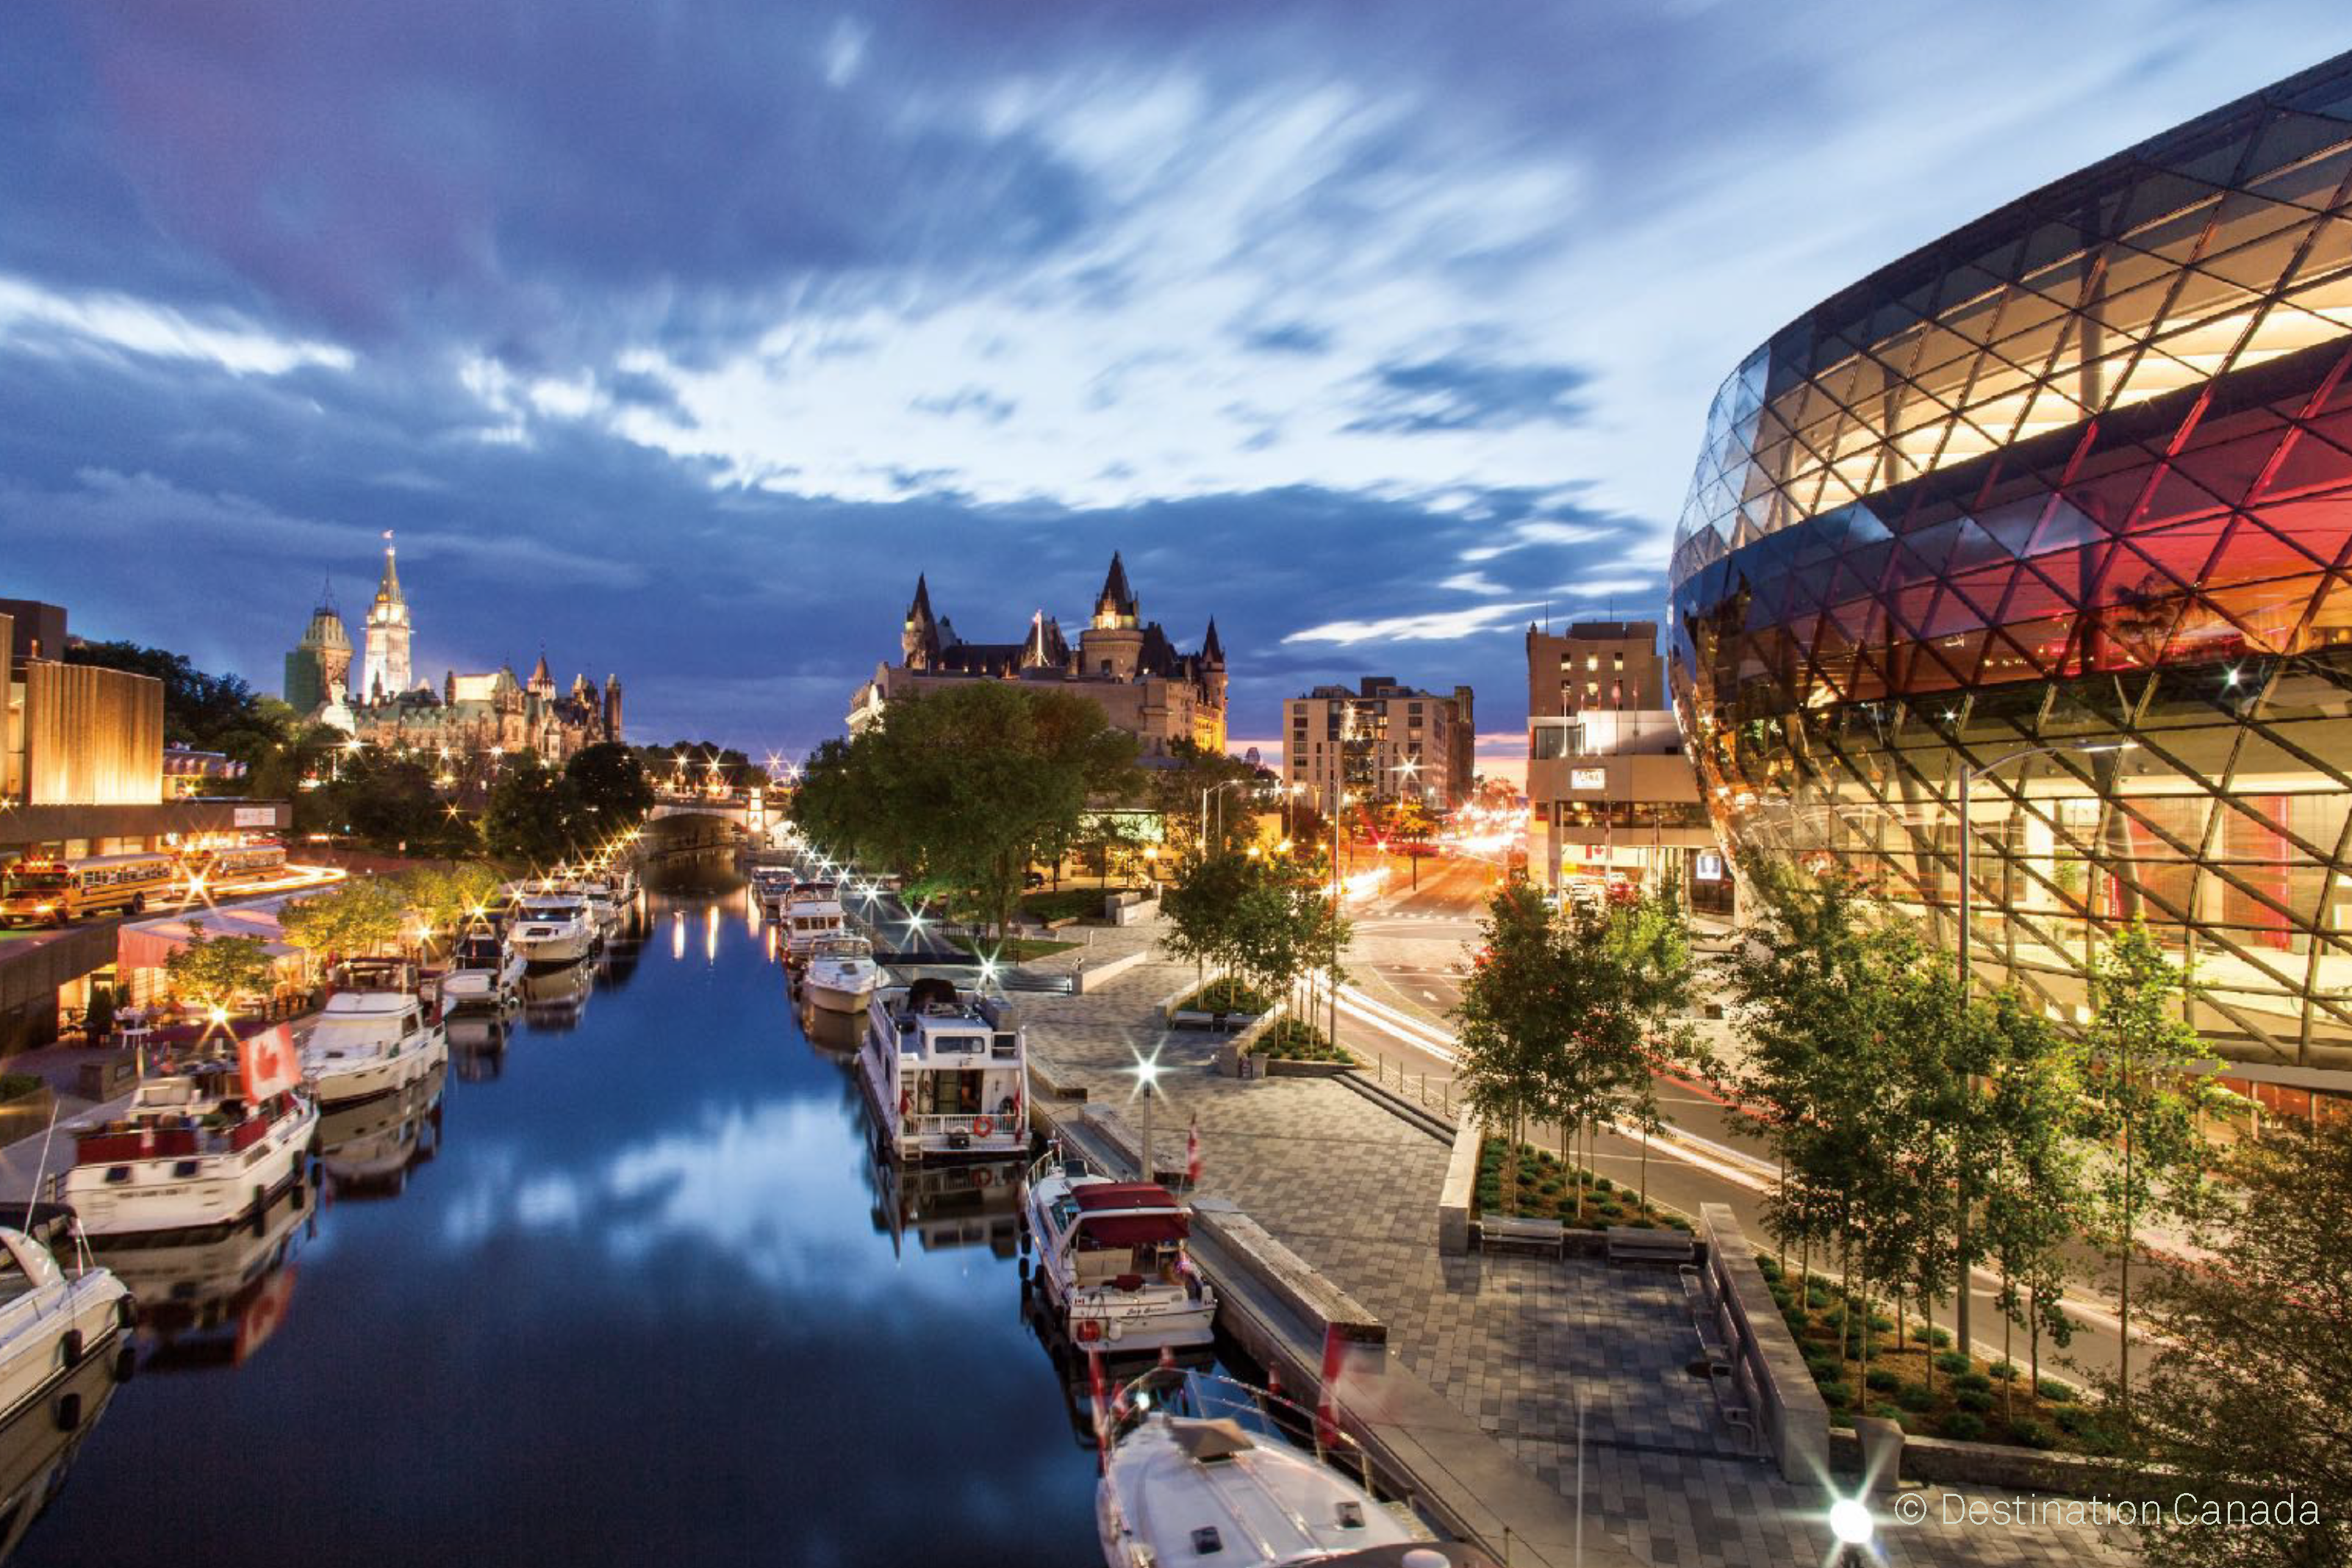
x: 1428, y: 626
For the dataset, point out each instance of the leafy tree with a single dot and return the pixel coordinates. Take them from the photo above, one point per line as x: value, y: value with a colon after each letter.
x: 1202, y: 912
x: 443, y: 901
x: 207, y: 712
x: 211, y: 971
x: 2032, y: 1191
x: 610, y: 787
x: 360, y: 916
x: 1650, y: 942
x: 2248, y: 1395
x: 2147, y: 1092
x: 531, y: 812
x: 1176, y: 792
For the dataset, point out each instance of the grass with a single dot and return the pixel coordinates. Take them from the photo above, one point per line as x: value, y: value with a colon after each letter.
x: 16, y: 1085
x: 1294, y: 1040
x: 1225, y: 996
x: 1547, y: 1189
x: 1967, y: 1398
x: 1012, y: 949
x: 1065, y: 903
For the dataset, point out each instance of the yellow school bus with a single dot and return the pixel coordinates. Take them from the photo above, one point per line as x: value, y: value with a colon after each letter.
x: 51, y: 893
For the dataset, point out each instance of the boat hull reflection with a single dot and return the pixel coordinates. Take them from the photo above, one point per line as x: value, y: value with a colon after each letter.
x: 369, y: 1150
x: 213, y: 1303
x: 39, y: 1442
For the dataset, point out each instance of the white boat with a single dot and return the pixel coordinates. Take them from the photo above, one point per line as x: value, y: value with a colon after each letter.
x: 842, y: 975
x: 371, y: 1043
x: 946, y: 1072
x: 553, y: 928
x: 771, y: 885
x: 603, y: 908
x: 485, y: 972
x: 50, y: 1321
x: 812, y: 911
x: 201, y: 1146
x: 1111, y: 1260
x: 1201, y: 1472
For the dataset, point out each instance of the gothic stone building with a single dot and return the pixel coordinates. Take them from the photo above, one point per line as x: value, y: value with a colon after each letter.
x: 1125, y: 665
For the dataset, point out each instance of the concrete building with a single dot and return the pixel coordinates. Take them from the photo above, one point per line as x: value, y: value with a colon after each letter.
x: 82, y: 774
x: 1127, y: 665
x: 1611, y: 790
x: 1381, y: 741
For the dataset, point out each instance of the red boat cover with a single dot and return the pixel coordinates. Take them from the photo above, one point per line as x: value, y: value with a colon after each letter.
x: 1099, y: 1230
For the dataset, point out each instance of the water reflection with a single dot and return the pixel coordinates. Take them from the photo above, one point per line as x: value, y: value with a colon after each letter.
x: 477, y: 1044
x: 39, y: 1442
x: 656, y: 1300
x: 368, y: 1150
x: 968, y: 1203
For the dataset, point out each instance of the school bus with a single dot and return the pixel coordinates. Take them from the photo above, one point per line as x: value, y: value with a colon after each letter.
x: 54, y: 892
x: 230, y: 868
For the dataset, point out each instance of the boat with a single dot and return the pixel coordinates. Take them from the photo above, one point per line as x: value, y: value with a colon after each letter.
x: 484, y: 971
x: 771, y: 885
x: 842, y: 975
x: 371, y: 1043
x: 1203, y: 1469
x: 204, y: 1145
x: 602, y: 909
x: 1111, y: 1260
x: 946, y: 1072
x: 811, y: 910
x: 52, y: 1321
x: 553, y: 928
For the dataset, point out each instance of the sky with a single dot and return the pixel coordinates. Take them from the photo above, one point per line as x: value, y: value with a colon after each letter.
x: 676, y: 338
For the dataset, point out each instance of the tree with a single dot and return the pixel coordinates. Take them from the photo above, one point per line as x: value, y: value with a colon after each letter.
x: 2147, y: 1091
x: 207, y: 712
x: 443, y: 901
x: 609, y: 784
x: 2249, y: 1397
x: 361, y: 916
x: 1650, y: 942
x: 208, y: 972
x: 1202, y: 911
x: 2032, y: 1191
x: 531, y: 812
x: 1231, y: 786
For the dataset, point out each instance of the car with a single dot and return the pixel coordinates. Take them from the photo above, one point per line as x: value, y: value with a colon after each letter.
x: 1032, y: 878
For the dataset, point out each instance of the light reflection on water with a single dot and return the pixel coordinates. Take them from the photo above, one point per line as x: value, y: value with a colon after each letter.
x: 634, y: 1287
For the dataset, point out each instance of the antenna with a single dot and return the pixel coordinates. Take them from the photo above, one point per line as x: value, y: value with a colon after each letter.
x: 40, y: 1170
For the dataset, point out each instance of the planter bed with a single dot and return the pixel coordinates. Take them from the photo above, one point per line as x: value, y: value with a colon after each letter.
x: 1540, y: 1168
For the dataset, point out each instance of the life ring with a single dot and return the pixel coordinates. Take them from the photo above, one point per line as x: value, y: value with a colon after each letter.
x: 981, y: 1126
x: 982, y: 1176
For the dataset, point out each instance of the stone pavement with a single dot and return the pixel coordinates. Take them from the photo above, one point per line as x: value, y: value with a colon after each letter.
x: 1509, y: 1341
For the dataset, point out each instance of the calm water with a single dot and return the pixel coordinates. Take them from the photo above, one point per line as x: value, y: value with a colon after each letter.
x: 628, y: 1293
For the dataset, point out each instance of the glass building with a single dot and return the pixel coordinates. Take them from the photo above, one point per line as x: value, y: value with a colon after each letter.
x: 2058, y: 510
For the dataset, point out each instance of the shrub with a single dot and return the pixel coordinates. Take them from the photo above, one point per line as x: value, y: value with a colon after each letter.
x: 1972, y: 1380
x: 1915, y: 1397
x: 1604, y: 1184
x: 2002, y: 1370
x: 1768, y: 1266
x: 1953, y: 1362
x: 1834, y: 1317
x: 1962, y: 1426
x: 1976, y: 1400
x: 1816, y: 1298
x: 2032, y: 1433
x: 1886, y: 1412
x: 2050, y: 1389
x: 1881, y: 1324
x: 1678, y: 1222
x: 1884, y: 1379
x: 2072, y: 1418
x: 1821, y: 1363
x: 16, y: 1085
x: 1835, y: 1393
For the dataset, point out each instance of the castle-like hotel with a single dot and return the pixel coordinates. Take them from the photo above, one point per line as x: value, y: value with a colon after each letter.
x: 469, y: 714
x: 1127, y: 665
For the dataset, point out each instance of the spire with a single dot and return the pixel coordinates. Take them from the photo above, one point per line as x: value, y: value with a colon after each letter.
x: 387, y: 591
x: 538, y: 672
x: 921, y: 610
x: 1212, y: 651
x: 1116, y: 595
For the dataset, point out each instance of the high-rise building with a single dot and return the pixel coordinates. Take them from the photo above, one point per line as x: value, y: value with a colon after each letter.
x: 384, y: 673
x: 1381, y: 741
x: 1127, y: 665
x: 2052, y: 516
x: 1610, y: 788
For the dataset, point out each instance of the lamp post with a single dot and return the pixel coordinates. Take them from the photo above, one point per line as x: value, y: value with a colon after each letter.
x: 1969, y: 773
x: 1218, y: 790
x: 1146, y: 1073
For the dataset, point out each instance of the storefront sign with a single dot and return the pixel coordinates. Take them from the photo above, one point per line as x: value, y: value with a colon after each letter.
x: 255, y: 817
x: 1588, y: 778
x: 1707, y: 867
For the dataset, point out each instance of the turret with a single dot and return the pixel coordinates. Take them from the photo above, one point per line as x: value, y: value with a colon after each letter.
x: 612, y: 707
x: 919, y: 642
x: 1112, y: 644
x: 384, y: 675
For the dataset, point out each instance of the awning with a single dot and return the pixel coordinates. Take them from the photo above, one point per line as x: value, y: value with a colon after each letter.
x: 1131, y: 1229
x: 146, y: 944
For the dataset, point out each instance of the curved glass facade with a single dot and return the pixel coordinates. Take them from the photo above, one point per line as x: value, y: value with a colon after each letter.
x: 2075, y: 477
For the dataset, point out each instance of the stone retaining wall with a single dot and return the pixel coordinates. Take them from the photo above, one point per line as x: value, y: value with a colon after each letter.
x: 1457, y: 1199
x: 1301, y: 1287
x: 1998, y: 1467
x: 1770, y: 1369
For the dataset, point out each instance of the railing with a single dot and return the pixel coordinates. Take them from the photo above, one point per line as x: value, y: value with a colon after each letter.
x: 928, y: 1126
x: 1437, y: 1098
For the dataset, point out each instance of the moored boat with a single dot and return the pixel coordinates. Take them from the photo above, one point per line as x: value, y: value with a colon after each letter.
x: 1111, y: 1260
x: 485, y: 970
x: 204, y: 1145
x: 946, y: 1072
x: 812, y: 911
x: 51, y: 1319
x: 553, y: 928
x: 842, y: 975
x: 370, y: 1044
x: 1203, y: 1468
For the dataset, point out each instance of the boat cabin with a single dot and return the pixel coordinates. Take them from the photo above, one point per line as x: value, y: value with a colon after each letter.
x: 1118, y: 1233
x: 954, y: 1064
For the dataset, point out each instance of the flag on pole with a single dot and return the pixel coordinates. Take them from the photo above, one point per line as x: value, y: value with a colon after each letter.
x: 1192, y: 1152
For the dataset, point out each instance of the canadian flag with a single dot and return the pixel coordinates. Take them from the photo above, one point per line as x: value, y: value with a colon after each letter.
x: 1192, y: 1154
x: 266, y: 1063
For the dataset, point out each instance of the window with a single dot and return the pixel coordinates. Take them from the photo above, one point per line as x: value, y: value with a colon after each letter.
x: 1591, y: 660
x: 1617, y: 660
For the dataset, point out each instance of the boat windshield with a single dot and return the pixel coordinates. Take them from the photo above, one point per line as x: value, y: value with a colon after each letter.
x: 551, y: 912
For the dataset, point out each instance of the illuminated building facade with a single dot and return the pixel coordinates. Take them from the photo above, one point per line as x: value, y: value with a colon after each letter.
x: 1381, y: 741
x: 2065, y: 500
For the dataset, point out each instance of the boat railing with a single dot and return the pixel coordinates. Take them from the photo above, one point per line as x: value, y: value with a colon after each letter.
x: 970, y: 1124
x: 1189, y: 1392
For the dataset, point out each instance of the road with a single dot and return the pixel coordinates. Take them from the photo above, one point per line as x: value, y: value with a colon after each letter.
x: 1406, y: 964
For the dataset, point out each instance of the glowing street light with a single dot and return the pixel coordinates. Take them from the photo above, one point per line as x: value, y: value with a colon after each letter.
x: 1147, y: 1075
x: 1850, y: 1523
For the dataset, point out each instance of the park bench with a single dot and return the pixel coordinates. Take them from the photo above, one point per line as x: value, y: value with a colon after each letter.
x: 1634, y: 1244
x: 1196, y: 1018
x: 1501, y: 1231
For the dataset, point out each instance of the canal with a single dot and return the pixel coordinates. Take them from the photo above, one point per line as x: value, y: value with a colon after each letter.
x: 629, y: 1288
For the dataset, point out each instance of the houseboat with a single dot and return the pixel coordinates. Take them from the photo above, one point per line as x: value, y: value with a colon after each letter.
x: 1111, y: 1260
x: 53, y: 1320
x: 946, y: 1072
x: 812, y: 911
x: 204, y: 1145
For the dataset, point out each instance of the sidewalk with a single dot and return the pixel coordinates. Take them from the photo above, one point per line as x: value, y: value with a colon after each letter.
x: 1510, y: 1343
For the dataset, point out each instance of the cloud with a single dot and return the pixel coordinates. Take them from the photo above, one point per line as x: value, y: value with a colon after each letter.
x: 1428, y: 626
x: 34, y: 317
x: 1459, y: 393
x: 1472, y: 582
x: 1604, y: 587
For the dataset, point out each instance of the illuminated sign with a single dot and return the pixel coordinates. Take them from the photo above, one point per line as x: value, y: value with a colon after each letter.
x: 1588, y: 778
x: 1709, y: 867
x: 254, y: 817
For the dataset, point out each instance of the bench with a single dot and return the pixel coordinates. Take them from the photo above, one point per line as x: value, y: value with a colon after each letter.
x: 1722, y: 1368
x: 1195, y: 1018
x: 1499, y: 1231
x: 1633, y: 1244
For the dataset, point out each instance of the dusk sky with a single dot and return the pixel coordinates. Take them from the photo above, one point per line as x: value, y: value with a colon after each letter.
x: 678, y: 336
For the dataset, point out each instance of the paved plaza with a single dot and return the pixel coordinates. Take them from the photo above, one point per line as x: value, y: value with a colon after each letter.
x: 1509, y: 1341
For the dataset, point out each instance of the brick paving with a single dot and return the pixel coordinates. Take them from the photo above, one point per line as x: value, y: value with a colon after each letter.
x: 1509, y: 1341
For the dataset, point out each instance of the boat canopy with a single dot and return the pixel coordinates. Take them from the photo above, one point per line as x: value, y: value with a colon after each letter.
x: 1129, y: 1214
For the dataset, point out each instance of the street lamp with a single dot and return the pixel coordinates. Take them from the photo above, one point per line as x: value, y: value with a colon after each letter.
x: 1850, y: 1524
x: 1969, y: 773
x: 1217, y: 790
x: 1146, y: 1073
